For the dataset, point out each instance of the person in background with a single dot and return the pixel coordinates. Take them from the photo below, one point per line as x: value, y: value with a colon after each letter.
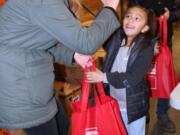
x: 129, y: 53
x: 171, y: 9
x: 29, y: 30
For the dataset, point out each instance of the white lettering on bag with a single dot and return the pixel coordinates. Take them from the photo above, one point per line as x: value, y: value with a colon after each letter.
x: 91, y: 131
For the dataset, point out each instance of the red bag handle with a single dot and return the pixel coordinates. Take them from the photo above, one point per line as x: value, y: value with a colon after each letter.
x: 85, y: 91
x: 99, y: 85
x: 101, y: 98
x: 163, y: 30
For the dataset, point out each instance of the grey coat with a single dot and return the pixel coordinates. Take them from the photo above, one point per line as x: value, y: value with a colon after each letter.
x: 28, y: 28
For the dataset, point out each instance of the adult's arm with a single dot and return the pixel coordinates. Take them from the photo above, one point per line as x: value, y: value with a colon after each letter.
x: 54, y: 17
x: 61, y: 54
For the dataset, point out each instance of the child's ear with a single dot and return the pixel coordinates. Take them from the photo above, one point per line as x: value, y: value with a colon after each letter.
x: 145, y: 29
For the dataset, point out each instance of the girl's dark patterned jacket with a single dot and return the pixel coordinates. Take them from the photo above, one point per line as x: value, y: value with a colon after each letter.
x: 133, y: 79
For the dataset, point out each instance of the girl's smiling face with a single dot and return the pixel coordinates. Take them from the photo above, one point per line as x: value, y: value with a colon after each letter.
x: 135, y: 22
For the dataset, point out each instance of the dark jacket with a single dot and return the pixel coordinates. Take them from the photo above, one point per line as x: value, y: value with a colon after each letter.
x: 133, y: 79
x: 158, y: 6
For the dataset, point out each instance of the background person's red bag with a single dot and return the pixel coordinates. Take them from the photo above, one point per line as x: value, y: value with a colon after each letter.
x: 101, y: 119
x: 162, y: 77
x: 2, y: 2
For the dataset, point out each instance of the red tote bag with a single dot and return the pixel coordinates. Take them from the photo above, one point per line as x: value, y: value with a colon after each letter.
x: 2, y: 2
x: 4, y: 132
x: 101, y: 119
x: 162, y: 77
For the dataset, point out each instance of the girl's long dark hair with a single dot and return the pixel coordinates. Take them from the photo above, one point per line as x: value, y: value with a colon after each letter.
x: 152, y: 23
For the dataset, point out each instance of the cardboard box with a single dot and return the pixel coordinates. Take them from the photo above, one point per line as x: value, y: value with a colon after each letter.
x: 68, y: 93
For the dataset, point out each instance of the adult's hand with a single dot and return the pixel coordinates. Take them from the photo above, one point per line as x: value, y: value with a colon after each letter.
x: 83, y: 60
x: 111, y: 3
x: 167, y: 13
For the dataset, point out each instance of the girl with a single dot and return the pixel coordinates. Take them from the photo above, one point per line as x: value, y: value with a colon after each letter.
x: 128, y: 57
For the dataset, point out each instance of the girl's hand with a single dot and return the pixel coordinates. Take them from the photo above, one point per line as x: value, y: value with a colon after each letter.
x: 94, y: 76
x: 156, y: 49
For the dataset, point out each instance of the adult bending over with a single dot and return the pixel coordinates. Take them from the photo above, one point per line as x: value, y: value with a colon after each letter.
x: 28, y: 31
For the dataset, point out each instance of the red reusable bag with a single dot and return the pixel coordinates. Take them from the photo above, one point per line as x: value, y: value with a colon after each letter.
x: 103, y: 118
x: 162, y: 78
x: 4, y: 132
x: 2, y: 2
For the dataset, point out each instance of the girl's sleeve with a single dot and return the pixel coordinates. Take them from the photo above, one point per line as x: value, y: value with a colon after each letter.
x: 137, y: 72
x: 54, y: 17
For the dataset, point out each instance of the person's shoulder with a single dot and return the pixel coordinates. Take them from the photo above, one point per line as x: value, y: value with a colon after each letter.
x: 115, y: 38
x: 154, y: 40
x: 119, y: 33
x: 151, y: 44
x: 44, y: 2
